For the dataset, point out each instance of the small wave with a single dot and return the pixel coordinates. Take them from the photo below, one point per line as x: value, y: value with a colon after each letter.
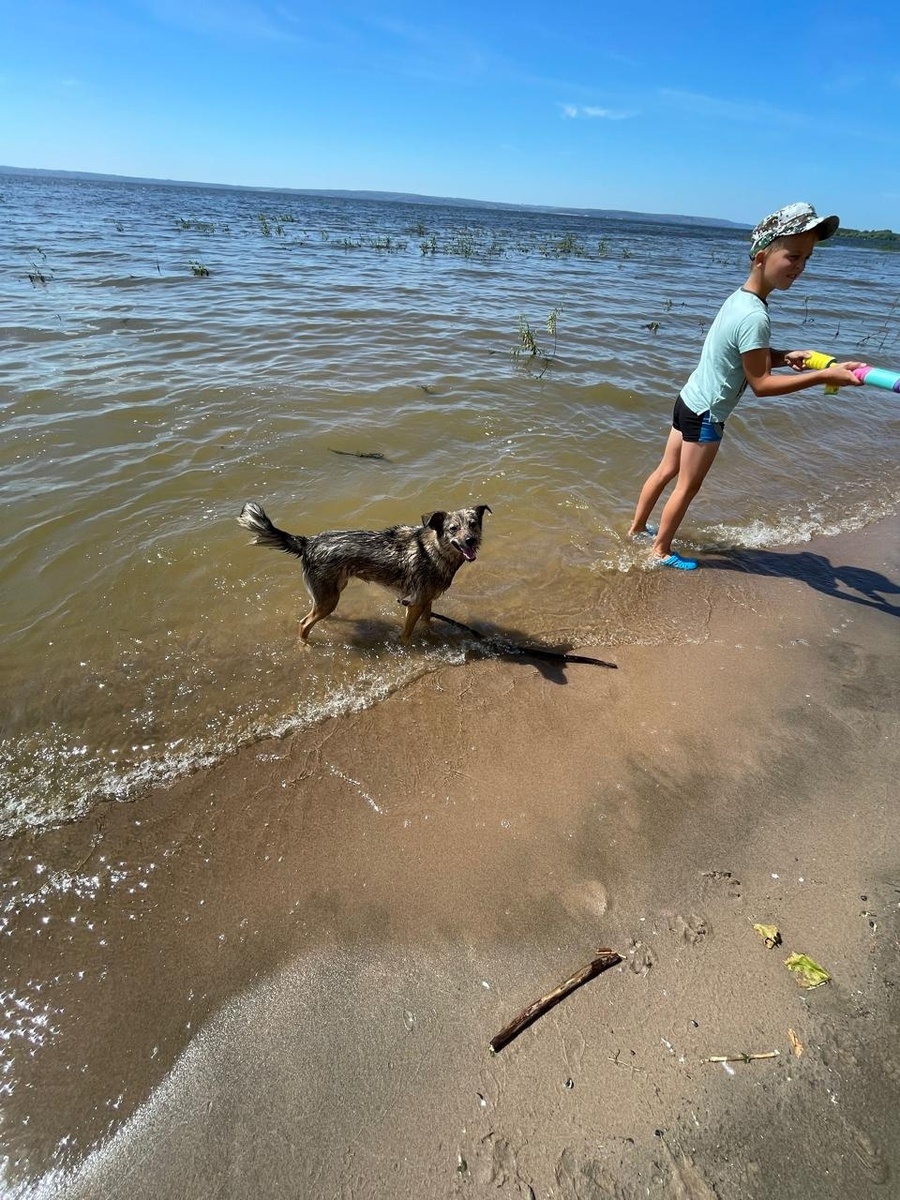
x: 792, y: 530
x: 623, y: 555
x: 49, y: 778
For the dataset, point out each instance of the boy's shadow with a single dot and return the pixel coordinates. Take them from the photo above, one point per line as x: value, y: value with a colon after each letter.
x: 857, y: 585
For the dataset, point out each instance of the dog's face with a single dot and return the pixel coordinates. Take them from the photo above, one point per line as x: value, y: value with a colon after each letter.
x: 461, y: 529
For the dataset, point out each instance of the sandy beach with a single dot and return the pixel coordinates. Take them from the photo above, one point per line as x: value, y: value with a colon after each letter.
x: 280, y: 976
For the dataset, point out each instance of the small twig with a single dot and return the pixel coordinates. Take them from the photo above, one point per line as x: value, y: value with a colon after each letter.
x: 605, y: 959
x: 614, y: 1059
x: 744, y: 1058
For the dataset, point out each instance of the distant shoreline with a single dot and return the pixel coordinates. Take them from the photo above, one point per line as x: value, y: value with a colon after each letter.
x: 398, y: 197
x: 875, y: 238
x: 870, y: 235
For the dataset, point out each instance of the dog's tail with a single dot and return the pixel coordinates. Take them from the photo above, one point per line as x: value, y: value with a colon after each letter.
x: 254, y: 518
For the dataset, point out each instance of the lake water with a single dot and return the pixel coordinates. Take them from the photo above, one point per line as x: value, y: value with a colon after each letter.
x: 170, y: 352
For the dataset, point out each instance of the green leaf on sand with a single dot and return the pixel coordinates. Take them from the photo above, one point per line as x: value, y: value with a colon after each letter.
x: 809, y: 974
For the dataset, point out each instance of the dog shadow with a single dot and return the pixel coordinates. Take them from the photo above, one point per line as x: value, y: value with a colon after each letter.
x: 515, y: 646
x: 855, y: 585
x: 370, y: 635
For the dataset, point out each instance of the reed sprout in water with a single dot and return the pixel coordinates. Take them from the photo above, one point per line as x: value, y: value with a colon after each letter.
x: 529, y: 351
x: 196, y: 226
x: 566, y: 246
x: 473, y: 242
x: 276, y: 225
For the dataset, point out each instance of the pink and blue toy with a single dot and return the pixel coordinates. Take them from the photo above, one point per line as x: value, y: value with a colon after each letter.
x: 876, y: 376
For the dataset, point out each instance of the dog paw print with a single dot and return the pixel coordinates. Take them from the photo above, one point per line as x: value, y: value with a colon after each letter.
x: 691, y: 929
x: 720, y: 883
x: 496, y: 1162
x: 640, y: 958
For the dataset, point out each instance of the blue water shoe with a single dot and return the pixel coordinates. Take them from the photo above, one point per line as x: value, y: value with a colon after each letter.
x: 676, y: 561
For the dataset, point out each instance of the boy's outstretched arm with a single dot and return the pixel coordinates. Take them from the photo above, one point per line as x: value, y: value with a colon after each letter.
x: 758, y: 367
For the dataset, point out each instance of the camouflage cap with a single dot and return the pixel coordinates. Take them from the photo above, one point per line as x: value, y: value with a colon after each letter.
x: 793, y: 218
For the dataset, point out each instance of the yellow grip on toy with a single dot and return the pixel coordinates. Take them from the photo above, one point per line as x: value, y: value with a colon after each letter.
x: 818, y: 362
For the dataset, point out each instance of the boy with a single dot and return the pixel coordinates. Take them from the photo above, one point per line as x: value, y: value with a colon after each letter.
x: 736, y: 353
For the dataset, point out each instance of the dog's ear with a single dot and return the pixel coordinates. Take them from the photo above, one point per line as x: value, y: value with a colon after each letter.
x: 435, y: 521
x: 480, y: 510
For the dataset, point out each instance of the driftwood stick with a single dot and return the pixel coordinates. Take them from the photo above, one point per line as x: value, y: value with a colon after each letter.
x: 604, y: 960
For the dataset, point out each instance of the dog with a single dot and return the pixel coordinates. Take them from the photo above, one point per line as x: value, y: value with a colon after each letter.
x: 417, y: 561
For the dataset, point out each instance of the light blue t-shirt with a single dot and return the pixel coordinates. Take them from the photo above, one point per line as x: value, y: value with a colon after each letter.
x: 718, y: 381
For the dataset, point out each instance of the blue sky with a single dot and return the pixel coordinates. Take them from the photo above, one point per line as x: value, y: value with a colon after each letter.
x: 702, y: 108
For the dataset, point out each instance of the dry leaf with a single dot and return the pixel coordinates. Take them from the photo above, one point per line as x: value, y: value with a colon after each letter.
x: 809, y: 974
x: 769, y: 934
x: 796, y: 1044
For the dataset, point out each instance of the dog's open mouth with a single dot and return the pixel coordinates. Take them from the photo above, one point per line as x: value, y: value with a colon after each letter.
x: 467, y: 553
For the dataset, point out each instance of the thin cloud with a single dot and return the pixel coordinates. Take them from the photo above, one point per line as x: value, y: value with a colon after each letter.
x: 244, y: 20
x: 766, y: 116
x: 433, y: 52
x: 751, y: 112
x: 590, y: 111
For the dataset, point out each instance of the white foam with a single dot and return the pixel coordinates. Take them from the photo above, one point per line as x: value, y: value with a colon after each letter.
x: 63, y: 779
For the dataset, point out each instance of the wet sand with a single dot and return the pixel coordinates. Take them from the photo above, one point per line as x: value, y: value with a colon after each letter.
x: 280, y: 977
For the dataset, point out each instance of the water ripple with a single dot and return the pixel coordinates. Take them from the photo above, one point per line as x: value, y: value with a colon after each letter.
x: 145, y: 399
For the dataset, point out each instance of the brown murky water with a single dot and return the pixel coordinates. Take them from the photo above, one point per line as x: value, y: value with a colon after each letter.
x: 171, y: 352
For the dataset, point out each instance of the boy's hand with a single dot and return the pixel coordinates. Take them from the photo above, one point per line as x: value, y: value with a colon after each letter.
x: 841, y: 375
x: 796, y: 359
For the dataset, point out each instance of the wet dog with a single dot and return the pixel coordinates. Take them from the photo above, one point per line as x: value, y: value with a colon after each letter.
x: 417, y: 561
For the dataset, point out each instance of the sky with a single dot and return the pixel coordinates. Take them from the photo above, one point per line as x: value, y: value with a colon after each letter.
x: 711, y: 109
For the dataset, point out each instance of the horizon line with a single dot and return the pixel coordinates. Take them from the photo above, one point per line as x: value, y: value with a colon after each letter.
x: 575, y: 210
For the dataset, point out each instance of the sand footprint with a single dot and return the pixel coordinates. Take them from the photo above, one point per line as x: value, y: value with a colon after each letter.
x: 692, y: 928
x: 640, y: 958
x: 892, y: 1068
x: 584, y: 1179
x: 720, y: 883
x: 589, y: 897
x: 685, y: 1181
x: 498, y: 1167
x: 869, y: 1154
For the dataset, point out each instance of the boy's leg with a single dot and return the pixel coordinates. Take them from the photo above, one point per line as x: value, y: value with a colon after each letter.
x: 696, y: 459
x: 653, y: 488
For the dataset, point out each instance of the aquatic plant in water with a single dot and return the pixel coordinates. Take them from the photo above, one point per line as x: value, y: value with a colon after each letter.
x: 529, y: 348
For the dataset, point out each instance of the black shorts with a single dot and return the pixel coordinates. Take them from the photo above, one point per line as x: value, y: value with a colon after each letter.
x: 696, y: 427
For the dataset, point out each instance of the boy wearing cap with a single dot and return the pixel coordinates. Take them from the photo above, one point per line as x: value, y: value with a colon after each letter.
x: 736, y: 353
